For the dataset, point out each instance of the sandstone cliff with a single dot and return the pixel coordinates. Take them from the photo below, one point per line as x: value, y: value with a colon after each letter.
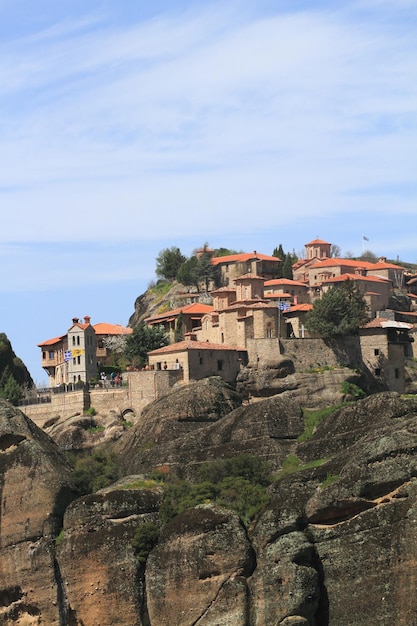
x: 334, y: 546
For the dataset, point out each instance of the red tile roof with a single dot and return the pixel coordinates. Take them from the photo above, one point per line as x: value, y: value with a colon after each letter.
x: 243, y: 257
x: 103, y: 328
x: 317, y: 241
x: 51, y: 342
x: 189, y: 344
x: 284, y: 281
x: 357, y: 277
x: 336, y: 262
x: 190, y: 309
x: 299, y: 308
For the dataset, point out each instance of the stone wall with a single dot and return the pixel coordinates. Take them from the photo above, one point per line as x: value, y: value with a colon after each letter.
x: 142, y: 388
x: 312, y: 353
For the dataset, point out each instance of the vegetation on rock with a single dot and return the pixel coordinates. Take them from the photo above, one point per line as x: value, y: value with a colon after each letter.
x: 339, y: 312
x: 144, y: 339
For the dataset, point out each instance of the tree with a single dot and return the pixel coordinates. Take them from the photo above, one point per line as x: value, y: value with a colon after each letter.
x: 335, y: 251
x: 9, y: 387
x: 339, y: 312
x: 287, y: 267
x: 280, y: 254
x: 188, y: 273
x: 144, y: 339
x: 207, y: 272
x: 369, y: 256
x: 168, y: 262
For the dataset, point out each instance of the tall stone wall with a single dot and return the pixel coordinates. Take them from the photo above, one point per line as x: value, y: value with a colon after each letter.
x: 312, y: 353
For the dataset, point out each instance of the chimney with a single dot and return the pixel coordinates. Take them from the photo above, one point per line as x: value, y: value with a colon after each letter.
x: 75, y: 320
x: 87, y: 319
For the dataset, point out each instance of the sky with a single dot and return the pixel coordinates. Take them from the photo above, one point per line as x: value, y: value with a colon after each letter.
x: 129, y: 127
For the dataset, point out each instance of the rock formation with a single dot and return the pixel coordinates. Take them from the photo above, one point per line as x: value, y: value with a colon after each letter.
x: 334, y: 546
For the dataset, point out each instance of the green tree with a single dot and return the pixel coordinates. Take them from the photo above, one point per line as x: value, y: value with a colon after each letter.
x: 9, y: 388
x: 145, y: 538
x: 207, y: 272
x: 144, y: 339
x: 179, y: 328
x: 287, y: 266
x: 224, y: 252
x: 188, y: 273
x: 280, y: 254
x: 168, y: 262
x: 340, y: 311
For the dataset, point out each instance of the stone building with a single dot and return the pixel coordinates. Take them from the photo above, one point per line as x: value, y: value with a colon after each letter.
x: 199, y: 359
x: 384, y: 345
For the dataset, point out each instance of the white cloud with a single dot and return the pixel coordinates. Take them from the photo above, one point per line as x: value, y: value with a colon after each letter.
x: 185, y: 123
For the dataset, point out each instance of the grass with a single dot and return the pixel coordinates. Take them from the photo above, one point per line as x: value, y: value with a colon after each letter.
x: 95, y: 429
x: 313, y: 417
x: 145, y: 483
x: 329, y: 480
x: 293, y: 464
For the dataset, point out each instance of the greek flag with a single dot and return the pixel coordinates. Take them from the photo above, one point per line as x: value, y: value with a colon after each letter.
x: 283, y: 306
x: 365, y: 238
x: 67, y: 355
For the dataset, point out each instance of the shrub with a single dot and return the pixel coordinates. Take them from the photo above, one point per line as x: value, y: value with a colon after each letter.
x: 145, y: 538
x: 352, y: 391
x: 94, y: 471
x: 238, y: 483
x: 91, y: 411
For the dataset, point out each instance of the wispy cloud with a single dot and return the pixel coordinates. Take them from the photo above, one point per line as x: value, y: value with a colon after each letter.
x: 182, y: 123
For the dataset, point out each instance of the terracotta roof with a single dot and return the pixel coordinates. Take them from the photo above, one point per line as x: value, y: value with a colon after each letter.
x: 382, y: 265
x: 317, y: 241
x: 190, y: 309
x: 283, y: 281
x: 102, y: 328
x: 300, y: 308
x: 189, y: 344
x: 358, y: 277
x: 336, y: 262
x: 246, y: 256
x: 381, y: 322
x: 80, y: 325
x: 51, y: 342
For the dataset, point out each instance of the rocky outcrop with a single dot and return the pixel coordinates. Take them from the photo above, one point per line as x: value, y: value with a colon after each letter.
x: 311, y: 389
x: 335, y: 545
x: 197, y: 574
x: 181, y: 439
x: 35, y: 489
x: 103, y: 578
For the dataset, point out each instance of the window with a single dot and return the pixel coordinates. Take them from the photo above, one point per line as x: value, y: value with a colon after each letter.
x: 201, y: 360
x: 219, y: 365
x: 51, y: 354
x: 377, y: 371
x: 227, y: 268
x: 397, y: 372
x: 73, y: 340
x: 78, y: 360
x: 222, y: 337
x: 376, y: 352
x: 78, y: 340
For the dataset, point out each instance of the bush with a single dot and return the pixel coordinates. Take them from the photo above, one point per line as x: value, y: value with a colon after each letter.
x: 145, y: 538
x: 94, y: 471
x: 353, y: 391
x: 238, y: 483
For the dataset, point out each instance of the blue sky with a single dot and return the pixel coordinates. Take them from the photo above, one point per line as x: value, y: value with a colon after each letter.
x: 128, y: 127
